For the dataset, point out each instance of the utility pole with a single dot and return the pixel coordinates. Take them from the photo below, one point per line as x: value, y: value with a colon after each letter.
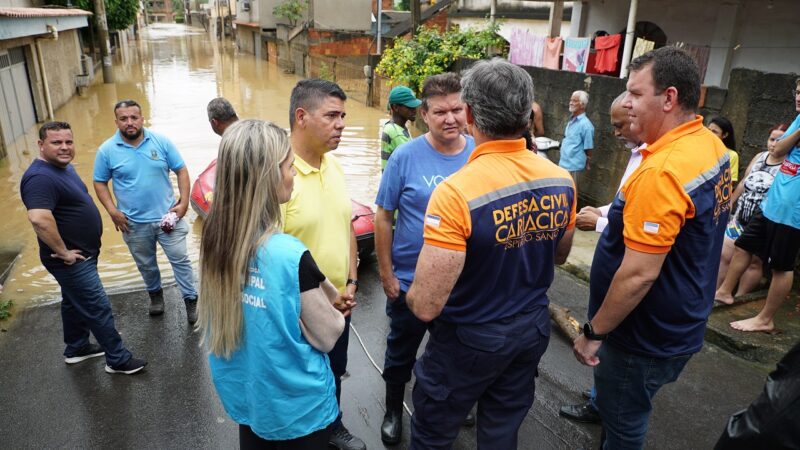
x: 219, y: 22
x: 105, y: 45
x: 416, y: 16
x: 380, y: 13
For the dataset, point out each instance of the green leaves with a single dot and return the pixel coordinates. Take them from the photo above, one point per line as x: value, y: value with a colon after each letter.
x: 290, y: 10
x: 120, y: 14
x: 5, y: 307
x: 432, y: 52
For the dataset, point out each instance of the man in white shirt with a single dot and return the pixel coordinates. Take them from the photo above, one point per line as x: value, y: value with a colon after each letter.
x: 596, y: 219
x: 591, y: 218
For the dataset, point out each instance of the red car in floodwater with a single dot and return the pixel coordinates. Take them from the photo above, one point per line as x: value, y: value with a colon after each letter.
x: 363, y: 217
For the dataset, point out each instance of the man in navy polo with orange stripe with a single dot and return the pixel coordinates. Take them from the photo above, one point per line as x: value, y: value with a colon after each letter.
x: 493, y: 232
x: 655, y: 267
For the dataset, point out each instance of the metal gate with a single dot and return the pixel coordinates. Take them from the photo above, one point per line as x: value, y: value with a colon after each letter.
x: 16, y: 103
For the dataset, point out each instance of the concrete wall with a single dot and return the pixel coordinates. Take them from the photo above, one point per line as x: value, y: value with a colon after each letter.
x: 248, y: 16
x: 62, y: 64
x: 343, y: 15
x: 765, y: 31
x: 264, y: 13
x: 248, y: 38
x: 537, y: 27
x: 755, y: 102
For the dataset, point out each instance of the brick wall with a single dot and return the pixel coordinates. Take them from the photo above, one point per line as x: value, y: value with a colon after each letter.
x: 330, y: 43
x: 439, y: 20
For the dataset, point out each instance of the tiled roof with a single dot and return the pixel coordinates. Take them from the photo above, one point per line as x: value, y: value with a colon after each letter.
x: 41, y: 12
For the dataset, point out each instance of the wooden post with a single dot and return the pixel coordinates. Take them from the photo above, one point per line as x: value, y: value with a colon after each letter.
x: 556, y: 13
x: 416, y: 16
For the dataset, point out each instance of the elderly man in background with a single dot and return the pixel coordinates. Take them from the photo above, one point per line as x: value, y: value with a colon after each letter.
x: 596, y: 219
x: 221, y: 115
x: 493, y: 233
x: 591, y: 218
x: 578, y: 142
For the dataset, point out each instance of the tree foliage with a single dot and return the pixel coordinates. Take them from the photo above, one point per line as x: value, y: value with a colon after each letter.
x: 290, y: 10
x: 120, y: 14
x: 432, y: 52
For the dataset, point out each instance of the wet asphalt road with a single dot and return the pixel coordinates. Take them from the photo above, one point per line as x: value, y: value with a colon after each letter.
x: 46, y: 404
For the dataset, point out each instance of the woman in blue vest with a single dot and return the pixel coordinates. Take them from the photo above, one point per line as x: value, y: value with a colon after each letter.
x: 265, y: 310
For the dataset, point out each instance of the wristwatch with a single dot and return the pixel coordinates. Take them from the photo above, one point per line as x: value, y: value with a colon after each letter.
x: 588, y: 331
x: 353, y: 282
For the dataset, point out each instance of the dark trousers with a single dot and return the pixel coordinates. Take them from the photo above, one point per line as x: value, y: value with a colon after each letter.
x: 85, y: 308
x: 626, y: 384
x: 338, y: 359
x: 405, y: 335
x: 317, y: 440
x: 493, y: 364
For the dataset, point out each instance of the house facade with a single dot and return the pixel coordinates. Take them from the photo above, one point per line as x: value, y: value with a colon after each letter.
x: 41, y: 64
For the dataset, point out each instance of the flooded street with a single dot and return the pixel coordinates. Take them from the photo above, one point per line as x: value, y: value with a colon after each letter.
x: 173, y: 71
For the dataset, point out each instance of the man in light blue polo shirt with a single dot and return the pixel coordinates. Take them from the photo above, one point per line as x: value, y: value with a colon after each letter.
x: 576, y: 148
x: 138, y: 162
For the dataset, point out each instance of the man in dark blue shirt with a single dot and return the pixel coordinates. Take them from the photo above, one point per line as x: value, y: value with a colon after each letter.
x: 68, y: 226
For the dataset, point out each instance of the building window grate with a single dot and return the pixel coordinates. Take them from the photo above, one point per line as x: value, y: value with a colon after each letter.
x: 5, y: 61
x: 17, y: 55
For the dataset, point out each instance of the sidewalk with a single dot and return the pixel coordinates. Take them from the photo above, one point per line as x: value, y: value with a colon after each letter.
x: 762, y: 348
x: 173, y: 404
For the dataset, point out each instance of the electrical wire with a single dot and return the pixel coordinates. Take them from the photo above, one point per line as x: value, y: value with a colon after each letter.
x: 374, y: 364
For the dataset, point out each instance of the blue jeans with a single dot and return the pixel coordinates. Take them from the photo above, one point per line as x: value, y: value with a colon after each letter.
x: 141, y: 239
x: 626, y: 385
x: 85, y: 308
x: 493, y: 364
x: 405, y: 335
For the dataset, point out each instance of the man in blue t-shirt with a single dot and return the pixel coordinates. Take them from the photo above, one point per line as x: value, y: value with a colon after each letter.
x: 138, y: 162
x: 576, y: 148
x: 773, y: 233
x: 410, y: 176
x: 68, y: 228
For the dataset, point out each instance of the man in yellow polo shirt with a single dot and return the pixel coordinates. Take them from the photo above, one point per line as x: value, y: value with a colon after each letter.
x: 319, y: 211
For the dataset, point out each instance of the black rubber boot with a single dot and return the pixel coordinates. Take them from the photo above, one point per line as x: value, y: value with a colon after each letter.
x: 191, y: 309
x: 156, y: 303
x: 392, y: 426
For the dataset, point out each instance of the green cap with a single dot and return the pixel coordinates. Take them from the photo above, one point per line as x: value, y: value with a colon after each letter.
x: 401, y: 95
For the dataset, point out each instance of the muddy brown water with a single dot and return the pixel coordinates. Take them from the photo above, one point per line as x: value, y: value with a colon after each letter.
x: 173, y: 71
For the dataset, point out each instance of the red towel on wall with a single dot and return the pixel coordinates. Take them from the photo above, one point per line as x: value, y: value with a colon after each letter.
x: 552, y: 52
x: 607, y: 48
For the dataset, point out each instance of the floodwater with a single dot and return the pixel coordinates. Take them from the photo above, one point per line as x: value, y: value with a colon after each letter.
x: 173, y: 71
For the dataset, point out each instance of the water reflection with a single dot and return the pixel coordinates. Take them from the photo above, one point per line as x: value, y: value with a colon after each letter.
x: 173, y: 72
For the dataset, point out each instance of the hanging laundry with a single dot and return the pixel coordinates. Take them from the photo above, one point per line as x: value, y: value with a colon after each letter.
x: 641, y: 47
x: 576, y: 53
x: 552, y: 51
x: 520, y: 47
x: 607, y: 48
x: 537, y: 50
